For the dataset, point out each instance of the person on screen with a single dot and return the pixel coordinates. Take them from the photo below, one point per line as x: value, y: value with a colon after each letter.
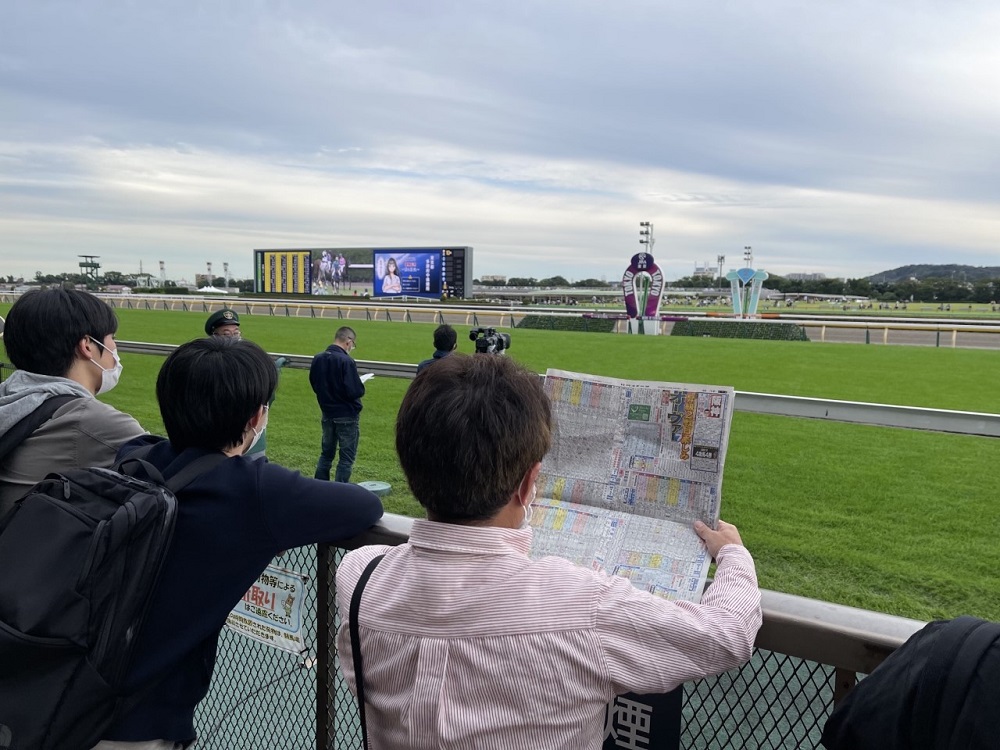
x: 467, y: 641
x: 390, y: 282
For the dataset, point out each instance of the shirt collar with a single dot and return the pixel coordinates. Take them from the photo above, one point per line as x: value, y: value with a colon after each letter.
x: 453, y: 537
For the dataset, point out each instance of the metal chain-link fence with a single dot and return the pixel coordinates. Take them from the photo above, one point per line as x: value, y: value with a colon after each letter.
x: 265, y: 698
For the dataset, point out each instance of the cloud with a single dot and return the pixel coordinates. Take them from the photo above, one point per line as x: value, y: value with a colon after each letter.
x: 846, y: 138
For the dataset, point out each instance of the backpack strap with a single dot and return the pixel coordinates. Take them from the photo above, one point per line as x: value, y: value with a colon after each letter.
x: 359, y: 679
x: 24, y: 427
x: 193, y: 470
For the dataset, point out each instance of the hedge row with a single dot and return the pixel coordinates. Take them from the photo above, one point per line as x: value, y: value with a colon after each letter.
x: 740, y: 329
x: 560, y: 323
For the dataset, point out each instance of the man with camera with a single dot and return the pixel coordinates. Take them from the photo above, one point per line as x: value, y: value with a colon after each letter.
x: 445, y: 342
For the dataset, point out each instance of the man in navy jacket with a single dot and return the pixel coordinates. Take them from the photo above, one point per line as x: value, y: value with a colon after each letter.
x: 231, y: 521
x: 334, y: 378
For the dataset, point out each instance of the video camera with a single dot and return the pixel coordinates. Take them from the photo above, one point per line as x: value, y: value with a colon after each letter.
x: 488, y: 341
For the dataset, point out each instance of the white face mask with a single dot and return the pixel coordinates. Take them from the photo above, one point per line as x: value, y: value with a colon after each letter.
x: 110, y: 375
x: 256, y: 435
x: 526, y: 522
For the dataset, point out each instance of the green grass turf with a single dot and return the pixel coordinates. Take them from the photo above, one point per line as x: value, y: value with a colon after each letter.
x: 892, y: 520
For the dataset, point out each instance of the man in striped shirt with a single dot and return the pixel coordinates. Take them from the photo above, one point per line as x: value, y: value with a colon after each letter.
x: 469, y: 643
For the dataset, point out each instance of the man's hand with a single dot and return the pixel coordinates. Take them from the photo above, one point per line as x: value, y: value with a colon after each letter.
x: 716, y: 540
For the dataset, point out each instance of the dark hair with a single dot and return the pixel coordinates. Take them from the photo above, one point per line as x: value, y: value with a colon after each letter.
x: 395, y: 265
x: 344, y: 333
x: 445, y: 338
x: 209, y: 388
x: 44, y: 326
x: 468, y: 430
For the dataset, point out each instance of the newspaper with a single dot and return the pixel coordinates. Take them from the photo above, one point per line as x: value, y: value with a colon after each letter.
x: 633, y: 465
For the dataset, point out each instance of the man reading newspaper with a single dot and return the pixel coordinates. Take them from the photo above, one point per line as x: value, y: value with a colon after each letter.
x: 469, y: 642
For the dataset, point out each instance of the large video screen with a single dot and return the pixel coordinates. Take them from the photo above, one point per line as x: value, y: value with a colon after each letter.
x: 283, y: 271
x: 407, y: 273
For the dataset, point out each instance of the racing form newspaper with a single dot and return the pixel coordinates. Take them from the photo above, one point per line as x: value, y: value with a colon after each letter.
x: 633, y: 464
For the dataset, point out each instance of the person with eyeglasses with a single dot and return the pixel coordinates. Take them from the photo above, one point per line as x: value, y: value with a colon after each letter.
x: 338, y: 388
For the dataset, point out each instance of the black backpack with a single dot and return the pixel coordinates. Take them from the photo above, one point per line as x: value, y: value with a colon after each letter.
x: 939, y: 690
x: 80, y: 555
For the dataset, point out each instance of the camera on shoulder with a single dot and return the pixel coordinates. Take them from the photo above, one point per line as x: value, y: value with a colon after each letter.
x: 489, y: 341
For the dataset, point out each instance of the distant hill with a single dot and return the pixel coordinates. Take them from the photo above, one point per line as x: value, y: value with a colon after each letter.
x: 941, y: 271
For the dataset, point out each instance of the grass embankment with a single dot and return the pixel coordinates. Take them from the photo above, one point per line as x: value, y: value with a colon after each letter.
x: 894, y: 520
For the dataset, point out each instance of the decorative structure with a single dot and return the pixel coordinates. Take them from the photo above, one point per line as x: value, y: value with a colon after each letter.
x: 746, y: 284
x: 642, y: 285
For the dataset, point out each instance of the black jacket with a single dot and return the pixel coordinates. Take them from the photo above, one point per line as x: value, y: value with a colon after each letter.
x: 334, y: 379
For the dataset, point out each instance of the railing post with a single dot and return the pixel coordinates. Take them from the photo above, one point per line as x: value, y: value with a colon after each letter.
x: 937, y: 341
x: 844, y: 681
x: 868, y: 338
x: 326, y: 689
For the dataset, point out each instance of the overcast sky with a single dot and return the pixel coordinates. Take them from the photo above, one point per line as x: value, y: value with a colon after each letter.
x: 843, y: 138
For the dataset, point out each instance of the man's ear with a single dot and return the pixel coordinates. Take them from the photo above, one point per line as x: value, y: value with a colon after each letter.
x: 84, y: 349
x: 524, y: 489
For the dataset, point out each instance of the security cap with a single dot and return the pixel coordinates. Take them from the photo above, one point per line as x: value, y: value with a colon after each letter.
x: 222, y: 317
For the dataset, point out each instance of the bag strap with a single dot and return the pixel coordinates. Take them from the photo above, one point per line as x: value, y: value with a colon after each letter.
x: 193, y: 470
x: 24, y: 427
x: 359, y: 679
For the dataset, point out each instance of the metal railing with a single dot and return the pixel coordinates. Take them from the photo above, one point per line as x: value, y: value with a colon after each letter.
x: 822, y: 328
x: 857, y: 412
x: 807, y: 653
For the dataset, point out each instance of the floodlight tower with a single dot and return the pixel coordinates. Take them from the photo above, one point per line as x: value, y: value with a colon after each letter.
x: 721, y: 260
x: 646, y: 235
x: 748, y: 255
x: 208, y: 265
x: 163, y: 274
x: 225, y: 272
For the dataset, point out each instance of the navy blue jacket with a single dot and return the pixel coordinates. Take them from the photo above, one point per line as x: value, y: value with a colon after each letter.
x: 438, y: 354
x: 231, y: 522
x: 334, y: 379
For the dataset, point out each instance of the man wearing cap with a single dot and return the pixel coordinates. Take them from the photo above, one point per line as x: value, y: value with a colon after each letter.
x: 224, y: 322
x: 334, y: 378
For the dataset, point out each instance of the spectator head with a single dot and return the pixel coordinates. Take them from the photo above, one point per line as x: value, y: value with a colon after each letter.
x: 45, y: 329
x: 223, y: 322
x: 209, y: 389
x: 469, y: 430
x: 346, y: 339
x: 445, y: 338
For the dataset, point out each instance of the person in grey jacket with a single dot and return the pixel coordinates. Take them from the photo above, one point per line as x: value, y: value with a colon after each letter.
x: 62, y: 343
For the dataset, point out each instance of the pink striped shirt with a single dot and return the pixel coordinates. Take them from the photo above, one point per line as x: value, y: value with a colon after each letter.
x: 470, y: 644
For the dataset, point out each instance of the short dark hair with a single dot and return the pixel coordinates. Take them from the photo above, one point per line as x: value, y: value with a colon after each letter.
x: 468, y: 430
x: 343, y: 333
x: 445, y: 338
x: 209, y: 388
x: 44, y: 326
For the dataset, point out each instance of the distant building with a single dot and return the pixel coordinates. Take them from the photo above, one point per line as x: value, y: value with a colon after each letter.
x: 706, y: 270
x: 806, y: 276
x: 494, y: 279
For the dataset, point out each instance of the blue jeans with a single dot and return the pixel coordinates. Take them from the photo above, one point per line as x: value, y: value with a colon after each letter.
x: 342, y: 430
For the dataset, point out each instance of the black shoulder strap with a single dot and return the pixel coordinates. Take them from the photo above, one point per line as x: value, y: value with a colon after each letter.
x: 359, y: 679
x: 23, y: 428
x: 193, y: 470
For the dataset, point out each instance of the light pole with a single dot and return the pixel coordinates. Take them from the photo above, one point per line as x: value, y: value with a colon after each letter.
x: 720, y: 259
x: 646, y: 235
x: 748, y: 255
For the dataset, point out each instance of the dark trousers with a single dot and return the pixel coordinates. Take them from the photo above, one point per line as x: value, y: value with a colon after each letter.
x: 342, y: 431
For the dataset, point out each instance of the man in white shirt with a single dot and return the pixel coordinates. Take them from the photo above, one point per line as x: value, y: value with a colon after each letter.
x: 468, y: 642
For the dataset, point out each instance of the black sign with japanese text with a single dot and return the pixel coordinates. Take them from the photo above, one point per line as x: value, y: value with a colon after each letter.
x: 644, y: 722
